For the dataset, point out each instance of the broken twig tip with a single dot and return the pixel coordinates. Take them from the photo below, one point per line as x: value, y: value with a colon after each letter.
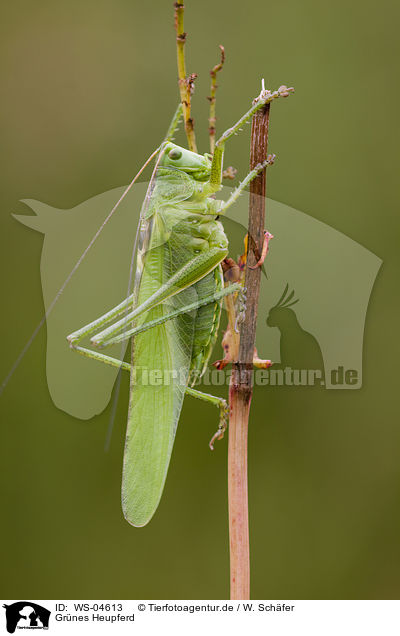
x: 267, y: 237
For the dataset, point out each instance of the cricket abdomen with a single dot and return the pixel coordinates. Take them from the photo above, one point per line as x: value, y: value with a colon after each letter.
x: 182, y: 232
x: 206, y: 326
x: 199, y: 232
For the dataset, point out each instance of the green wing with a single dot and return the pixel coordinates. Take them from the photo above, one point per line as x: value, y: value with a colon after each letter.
x: 161, y: 360
x: 171, y: 186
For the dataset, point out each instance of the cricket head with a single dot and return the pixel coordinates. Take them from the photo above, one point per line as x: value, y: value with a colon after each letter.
x: 199, y: 166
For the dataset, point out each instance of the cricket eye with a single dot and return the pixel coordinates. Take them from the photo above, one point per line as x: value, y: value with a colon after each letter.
x: 175, y: 154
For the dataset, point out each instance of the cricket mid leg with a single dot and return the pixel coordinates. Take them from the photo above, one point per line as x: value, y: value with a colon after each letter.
x: 118, y: 333
x: 101, y: 357
x: 246, y: 181
x: 223, y: 411
x: 206, y: 397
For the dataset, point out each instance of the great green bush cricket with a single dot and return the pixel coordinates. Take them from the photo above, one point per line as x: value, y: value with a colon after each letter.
x: 173, y: 314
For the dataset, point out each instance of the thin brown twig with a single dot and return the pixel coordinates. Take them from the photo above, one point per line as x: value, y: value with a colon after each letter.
x: 212, y: 119
x: 241, y: 384
x: 186, y: 84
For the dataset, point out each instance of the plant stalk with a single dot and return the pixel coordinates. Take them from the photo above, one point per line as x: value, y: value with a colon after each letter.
x: 241, y: 384
x: 212, y: 119
x: 185, y: 83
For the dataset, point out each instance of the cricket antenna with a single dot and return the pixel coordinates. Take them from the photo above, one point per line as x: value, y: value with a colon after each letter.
x: 72, y: 272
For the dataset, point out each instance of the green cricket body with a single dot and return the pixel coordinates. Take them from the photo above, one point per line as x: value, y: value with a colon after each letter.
x: 174, y: 311
x: 179, y: 225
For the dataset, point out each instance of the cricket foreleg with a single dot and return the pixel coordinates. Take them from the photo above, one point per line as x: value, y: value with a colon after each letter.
x: 223, y: 411
x: 264, y: 98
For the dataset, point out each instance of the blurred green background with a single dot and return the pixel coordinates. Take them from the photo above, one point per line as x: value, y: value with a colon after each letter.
x: 87, y: 93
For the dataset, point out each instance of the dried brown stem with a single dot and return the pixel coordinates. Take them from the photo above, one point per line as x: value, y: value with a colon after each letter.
x: 212, y: 119
x: 186, y: 84
x: 241, y: 384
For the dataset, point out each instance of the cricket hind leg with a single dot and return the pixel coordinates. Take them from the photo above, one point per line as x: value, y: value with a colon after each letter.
x: 118, y: 332
x: 77, y: 336
x: 191, y: 272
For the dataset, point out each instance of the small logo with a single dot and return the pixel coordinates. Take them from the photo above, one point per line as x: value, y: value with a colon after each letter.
x: 26, y: 615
